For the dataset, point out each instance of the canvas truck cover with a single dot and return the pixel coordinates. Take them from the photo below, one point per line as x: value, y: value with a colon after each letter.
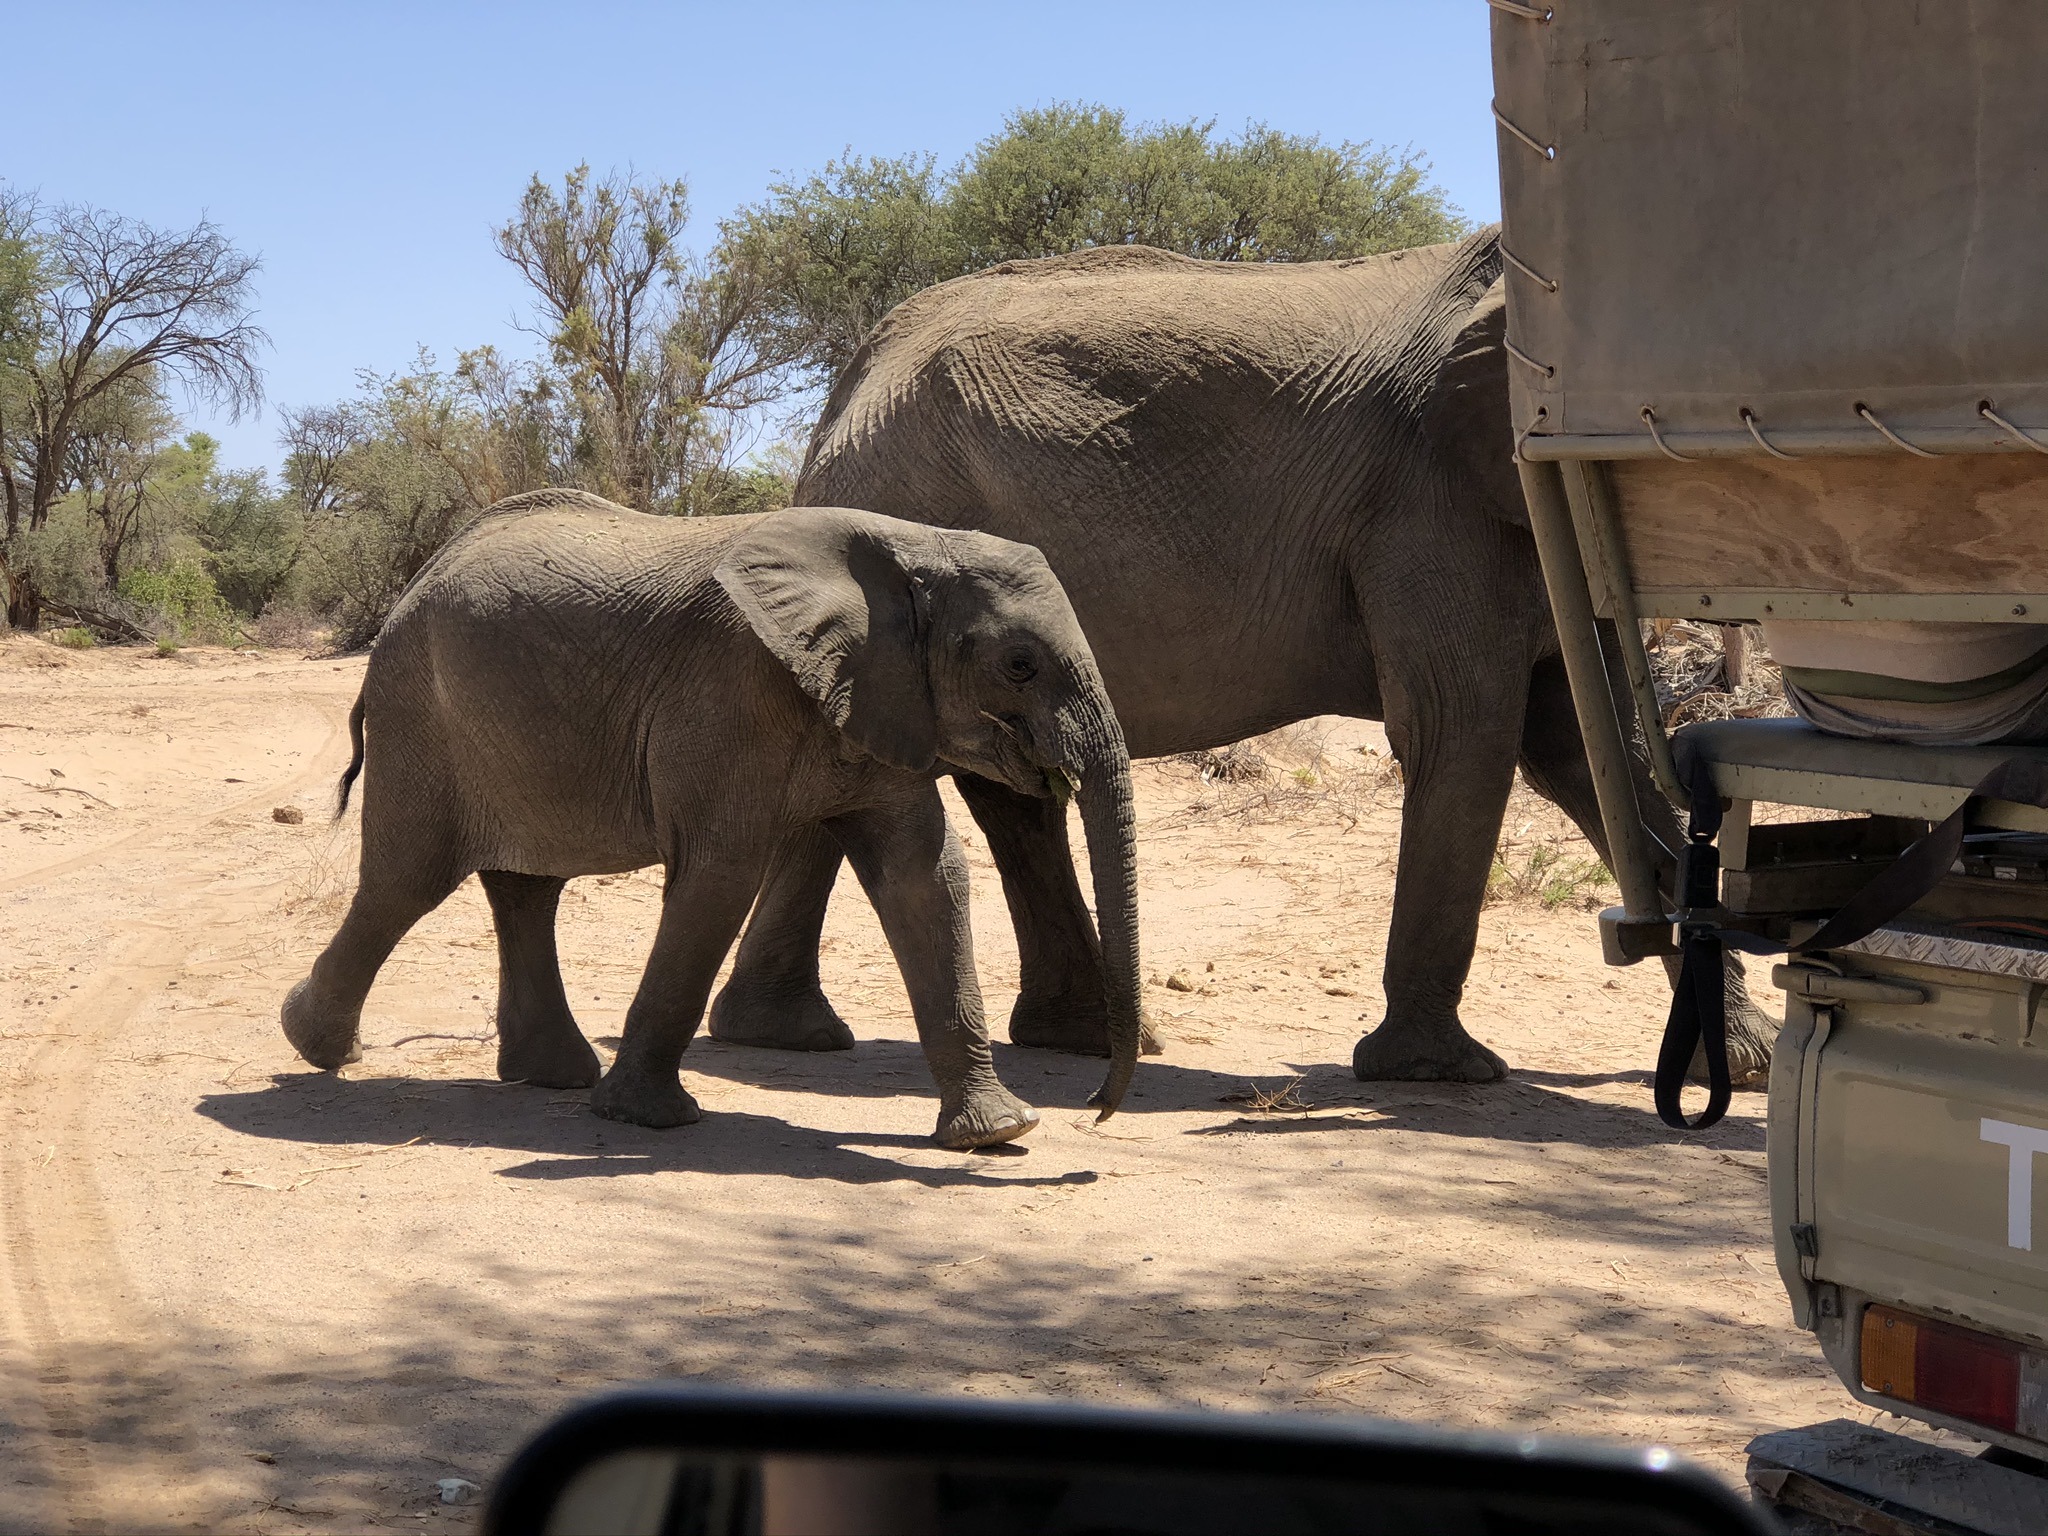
x: 1793, y: 207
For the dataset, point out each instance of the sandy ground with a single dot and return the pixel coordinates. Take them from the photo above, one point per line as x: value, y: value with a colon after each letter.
x: 238, y: 1294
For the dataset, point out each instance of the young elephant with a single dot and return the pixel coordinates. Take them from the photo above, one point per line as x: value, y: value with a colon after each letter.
x: 572, y: 689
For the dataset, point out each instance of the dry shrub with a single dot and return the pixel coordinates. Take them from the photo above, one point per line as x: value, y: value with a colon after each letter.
x: 325, y: 883
x: 1283, y: 1100
x: 1297, y: 775
x: 1238, y: 763
x: 1543, y: 860
x: 290, y: 629
x: 1688, y: 661
x: 1291, y: 774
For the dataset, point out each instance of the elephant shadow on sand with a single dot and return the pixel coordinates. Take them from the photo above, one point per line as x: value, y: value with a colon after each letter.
x: 318, y: 1110
x: 315, y: 1109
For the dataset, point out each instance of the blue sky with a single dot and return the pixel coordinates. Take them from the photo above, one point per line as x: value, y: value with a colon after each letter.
x: 365, y: 151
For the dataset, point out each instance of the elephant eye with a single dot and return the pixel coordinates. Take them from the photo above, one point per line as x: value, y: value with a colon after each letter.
x: 1020, y: 666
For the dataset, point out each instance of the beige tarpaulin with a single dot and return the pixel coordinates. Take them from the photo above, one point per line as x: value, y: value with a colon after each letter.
x: 1794, y: 206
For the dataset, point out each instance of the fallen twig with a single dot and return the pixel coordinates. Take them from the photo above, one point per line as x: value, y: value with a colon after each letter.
x: 1284, y: 1100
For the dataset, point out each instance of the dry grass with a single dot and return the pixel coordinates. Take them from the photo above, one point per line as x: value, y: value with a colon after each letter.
x: 287, y: 629
x: 1283, y: 1100
x: 1542, y: 860
x: 1689, y: 663
x: 1294, y: 775
x: 1287, y: 775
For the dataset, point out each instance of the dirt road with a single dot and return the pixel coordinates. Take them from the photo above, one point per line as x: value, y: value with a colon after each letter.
x: 237, y: 1294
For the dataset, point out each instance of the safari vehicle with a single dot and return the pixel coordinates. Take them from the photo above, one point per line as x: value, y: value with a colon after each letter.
x: 1777, y: 319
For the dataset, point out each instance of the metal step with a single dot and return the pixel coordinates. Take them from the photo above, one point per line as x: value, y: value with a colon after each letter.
x: 1870, y: 1480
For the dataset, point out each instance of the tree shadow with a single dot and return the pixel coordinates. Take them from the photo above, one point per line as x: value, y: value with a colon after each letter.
x: 447, y: 1377
x: 568, y: 1142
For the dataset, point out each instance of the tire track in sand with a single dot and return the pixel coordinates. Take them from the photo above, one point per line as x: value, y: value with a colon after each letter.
x: 116, y: 1449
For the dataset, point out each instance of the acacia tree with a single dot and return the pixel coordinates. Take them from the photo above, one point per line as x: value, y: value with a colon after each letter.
x: 22, y: 282
x: 114, y: 301
x: 111, y: 461
x: 655, y: 352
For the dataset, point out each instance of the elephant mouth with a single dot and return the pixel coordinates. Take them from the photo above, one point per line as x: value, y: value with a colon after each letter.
x: 1017, y: 762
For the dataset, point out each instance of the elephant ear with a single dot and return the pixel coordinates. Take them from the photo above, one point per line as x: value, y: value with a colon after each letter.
x: 1467, y: 415
x: 834, y: 598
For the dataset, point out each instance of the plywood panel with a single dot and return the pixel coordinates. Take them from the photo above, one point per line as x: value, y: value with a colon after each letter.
x: 1975, y: 523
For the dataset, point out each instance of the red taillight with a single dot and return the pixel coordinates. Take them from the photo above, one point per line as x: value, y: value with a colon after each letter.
x: 1950, y: 1370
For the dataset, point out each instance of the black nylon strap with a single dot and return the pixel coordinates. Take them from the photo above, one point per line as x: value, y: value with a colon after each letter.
x: 1699, y: 1001
x: 1699, y: 1013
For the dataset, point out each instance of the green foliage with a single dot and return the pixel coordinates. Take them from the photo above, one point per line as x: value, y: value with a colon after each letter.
x: 252, y: 538
x: 76, y: 638
x: 166, y: 646
x: 183, y: 600
x: 24, y: 276
x: 839, y: 249
x: 750, y: 488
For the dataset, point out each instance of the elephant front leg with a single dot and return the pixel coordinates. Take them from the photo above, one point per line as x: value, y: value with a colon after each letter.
x: 1062, y: 999
x: 700, y: 917
x: 773, y: 998
x: 1459, y: 763
x: 910, y: 864
x: 538, y: 1041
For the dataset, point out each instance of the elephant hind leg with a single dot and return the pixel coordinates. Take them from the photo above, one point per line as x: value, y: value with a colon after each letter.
x: 773, y: 998
x: 538, y: 1041
x: 322, y: 1014
x: 1454, y: 719
x: 413, y: 857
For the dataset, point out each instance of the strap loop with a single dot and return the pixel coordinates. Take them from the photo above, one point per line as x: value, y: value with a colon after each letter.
x: 1526, y: 360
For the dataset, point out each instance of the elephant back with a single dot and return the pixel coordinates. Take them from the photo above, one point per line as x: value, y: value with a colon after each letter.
x: 1069, y: 351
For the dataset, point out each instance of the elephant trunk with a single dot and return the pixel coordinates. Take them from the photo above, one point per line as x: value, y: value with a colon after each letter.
x: 1109, y: 823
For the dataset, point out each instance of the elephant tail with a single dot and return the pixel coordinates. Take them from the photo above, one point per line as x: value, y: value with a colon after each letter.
x: 355, y: 763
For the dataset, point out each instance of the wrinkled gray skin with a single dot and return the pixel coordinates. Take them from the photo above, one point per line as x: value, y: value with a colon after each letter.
x: 1271, y: 492
x: 572, y: 689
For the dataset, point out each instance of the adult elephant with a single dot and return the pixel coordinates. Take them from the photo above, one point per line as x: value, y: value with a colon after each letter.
x: 1271, y: 492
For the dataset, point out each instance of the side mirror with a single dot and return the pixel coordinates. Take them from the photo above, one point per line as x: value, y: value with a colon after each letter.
x: 663, y: 1461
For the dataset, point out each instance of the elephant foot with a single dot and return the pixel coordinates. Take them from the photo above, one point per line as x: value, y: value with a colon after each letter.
x: 778, y: 1017
x: 1749, y: 1053
x: 987, y: 1119
x: 320, y: 1028
x: 555, y: 1058
x: 1062, y: 1022
x: 658, y: 1100
x: 1445, y: 1054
